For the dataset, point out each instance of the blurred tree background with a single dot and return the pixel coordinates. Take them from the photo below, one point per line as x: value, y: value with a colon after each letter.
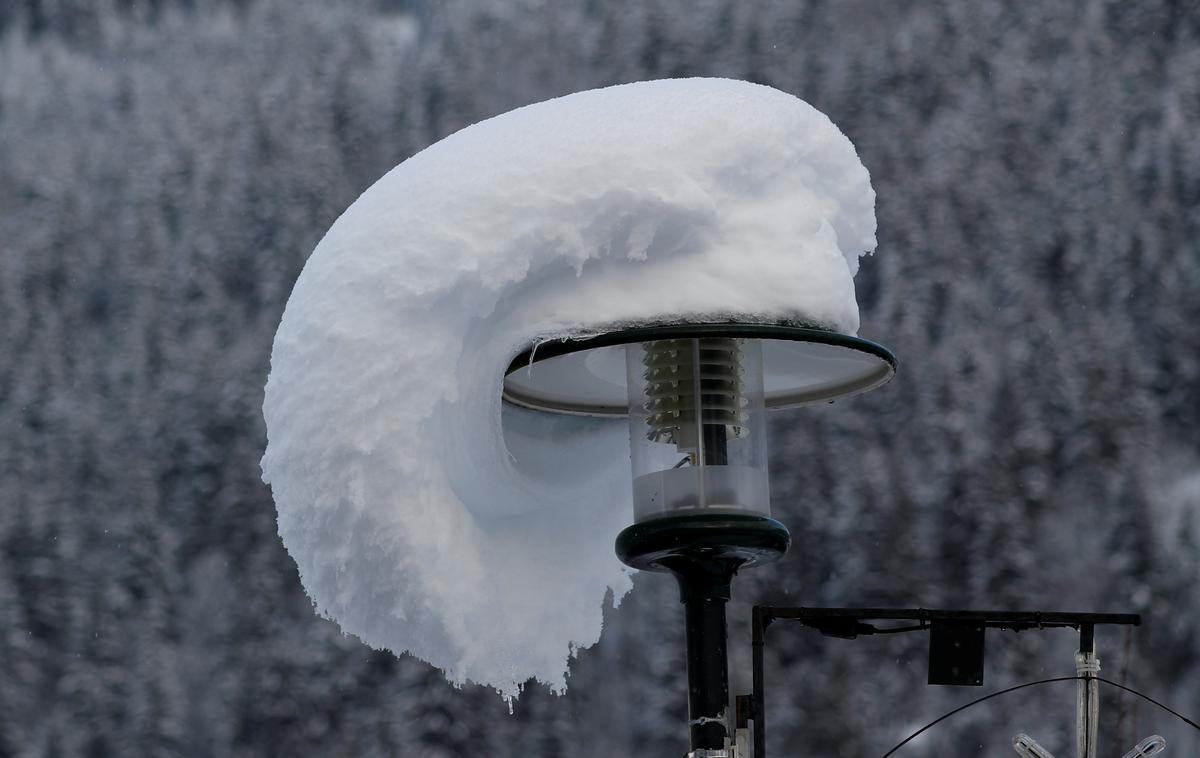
x: 166, y: 166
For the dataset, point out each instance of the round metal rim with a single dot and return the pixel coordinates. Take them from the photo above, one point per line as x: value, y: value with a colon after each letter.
x: 651, y: 332
x: 746, y: 539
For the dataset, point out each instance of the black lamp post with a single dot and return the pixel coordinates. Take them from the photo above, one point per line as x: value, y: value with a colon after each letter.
x: 696, y: 396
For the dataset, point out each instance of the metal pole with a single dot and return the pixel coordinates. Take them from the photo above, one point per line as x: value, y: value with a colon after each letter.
x: 704, y: 590
x: 1087, y: 709
x: 708, y: 672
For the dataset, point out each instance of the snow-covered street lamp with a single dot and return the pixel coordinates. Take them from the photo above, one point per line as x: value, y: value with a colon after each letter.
x: 696, y: 396
x: 681, y: 252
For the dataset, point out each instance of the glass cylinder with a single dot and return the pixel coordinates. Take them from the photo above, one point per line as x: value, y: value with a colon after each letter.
x: 697, y: 427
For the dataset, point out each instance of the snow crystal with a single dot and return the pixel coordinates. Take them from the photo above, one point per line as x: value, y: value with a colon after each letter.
x: 424, y: 514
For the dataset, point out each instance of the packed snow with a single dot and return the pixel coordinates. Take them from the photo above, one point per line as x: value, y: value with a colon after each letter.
x: 424, y: 514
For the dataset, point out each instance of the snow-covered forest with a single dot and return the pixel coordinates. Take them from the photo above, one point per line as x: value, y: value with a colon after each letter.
x: 167, y: 166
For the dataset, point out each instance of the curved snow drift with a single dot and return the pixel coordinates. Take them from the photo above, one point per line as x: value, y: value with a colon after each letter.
x: 423, y: 515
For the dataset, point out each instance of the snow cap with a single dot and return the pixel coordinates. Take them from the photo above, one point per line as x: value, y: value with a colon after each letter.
x: 424, y: 514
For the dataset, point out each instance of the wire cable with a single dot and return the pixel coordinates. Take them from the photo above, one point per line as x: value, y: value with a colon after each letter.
x: 1149, y: 699
x: 979, y: 700
x: 976, y: 701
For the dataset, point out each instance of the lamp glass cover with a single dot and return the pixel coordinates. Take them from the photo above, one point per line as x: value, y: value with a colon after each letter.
x: 697, y: 427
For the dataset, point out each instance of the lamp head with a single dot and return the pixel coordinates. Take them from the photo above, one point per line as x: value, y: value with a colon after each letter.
x: 696, y: 397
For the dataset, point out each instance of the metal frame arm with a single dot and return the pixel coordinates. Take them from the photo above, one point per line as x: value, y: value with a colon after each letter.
x: 850, y: 623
